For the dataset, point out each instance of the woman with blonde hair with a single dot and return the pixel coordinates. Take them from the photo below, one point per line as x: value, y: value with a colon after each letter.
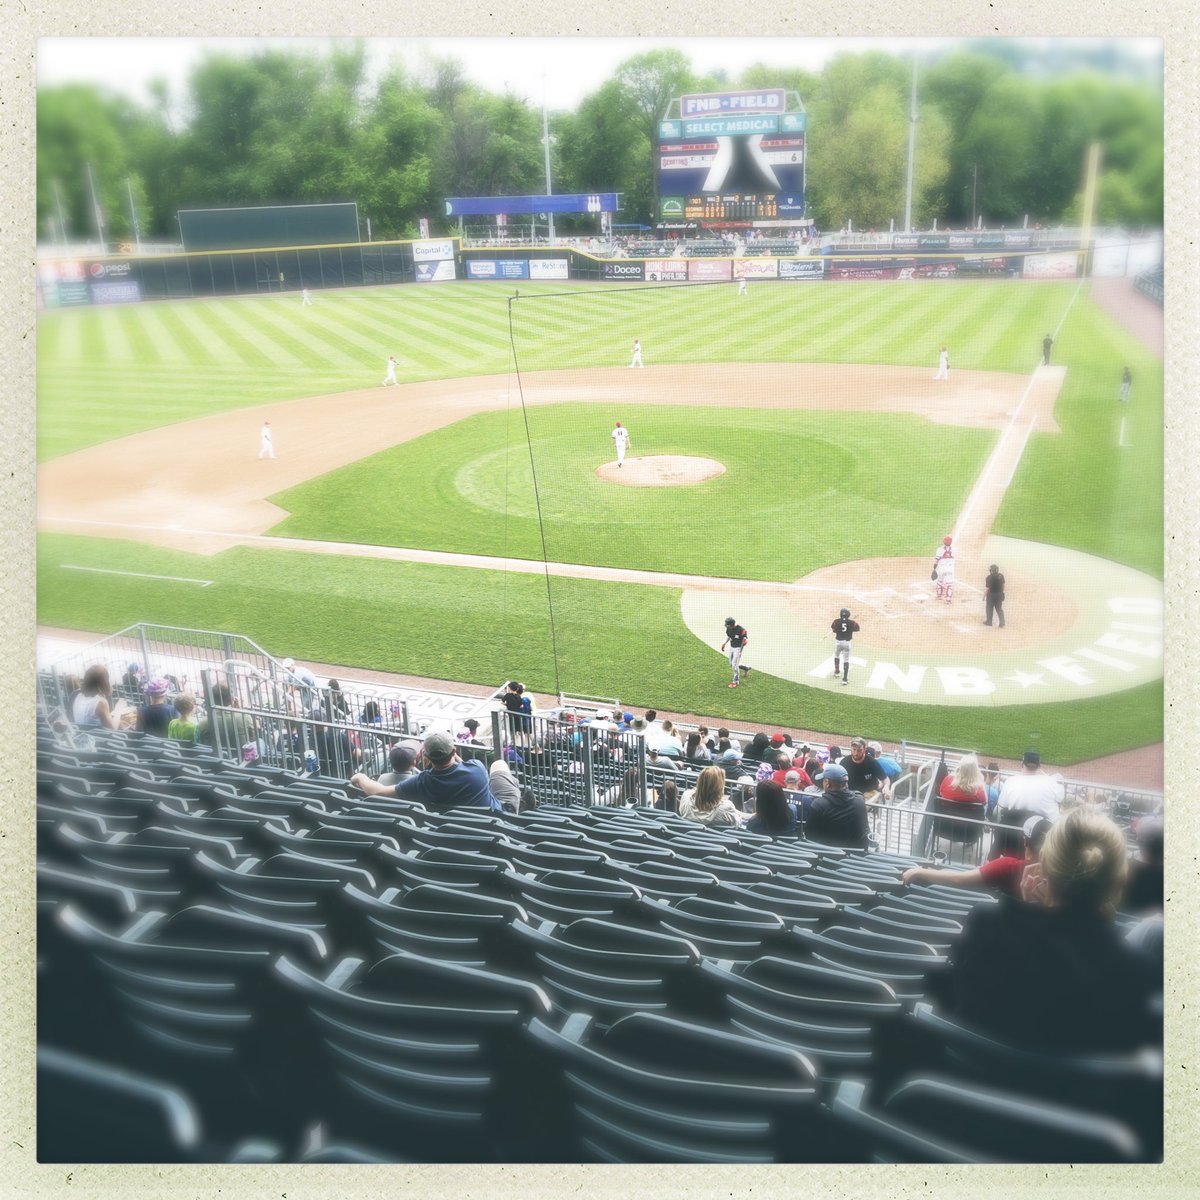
x: 965, y: 785
x: 707, y: 802
x: 1051, y: 972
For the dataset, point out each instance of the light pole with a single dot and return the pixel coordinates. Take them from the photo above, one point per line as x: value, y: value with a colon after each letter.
x: 912, y: 145
x: 546, y: 150
x: 974, y: 188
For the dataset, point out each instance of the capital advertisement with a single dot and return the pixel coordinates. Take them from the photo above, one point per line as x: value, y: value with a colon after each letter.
x: 754, y: 268
x: 116, y: 293
x: 548, y: 268
x: 1049, y: 266
x: 707, y: 270
x: 663, y: 270
x: 436, y: 272
x: 432, y: 251
x: 801, y: 268
x: 623, y: 270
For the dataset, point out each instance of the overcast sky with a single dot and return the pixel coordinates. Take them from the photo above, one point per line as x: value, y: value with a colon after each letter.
x: 573, y: 67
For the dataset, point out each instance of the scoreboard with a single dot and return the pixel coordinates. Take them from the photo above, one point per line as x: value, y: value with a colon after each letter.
x: 732, y: 156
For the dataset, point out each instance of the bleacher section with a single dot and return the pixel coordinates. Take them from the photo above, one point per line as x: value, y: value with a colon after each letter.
x: 240, y: 963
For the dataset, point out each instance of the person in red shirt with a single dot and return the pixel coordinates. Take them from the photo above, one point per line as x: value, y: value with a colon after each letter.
x: 966, y: 785
x: 1002, y: 874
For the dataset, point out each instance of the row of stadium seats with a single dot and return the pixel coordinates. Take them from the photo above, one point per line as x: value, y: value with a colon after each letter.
x: 263, y: 954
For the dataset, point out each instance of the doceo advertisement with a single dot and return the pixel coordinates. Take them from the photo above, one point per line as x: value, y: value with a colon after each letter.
x: 623, y: 270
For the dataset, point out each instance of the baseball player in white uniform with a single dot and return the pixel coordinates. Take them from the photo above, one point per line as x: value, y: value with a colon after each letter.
x: 305, y: 298
x: 742, y: 286
x: 621, y: 439
x: 390, y: 377
x: 943, y: 371
x: 637, y: 353
x: 943, y: 567
x: 266, y: 448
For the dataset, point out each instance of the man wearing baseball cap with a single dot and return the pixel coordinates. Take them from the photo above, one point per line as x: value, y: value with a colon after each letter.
x: 839, y: 816
x: 1029, y: 794
x: 447, y: 782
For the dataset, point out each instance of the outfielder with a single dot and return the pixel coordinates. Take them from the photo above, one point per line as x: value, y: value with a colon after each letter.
x: 621, y: 438
x: 943, y: 570
x: 1126, y: 385
x: 843, y: 630
x: 742, y: 287
x: 943, y: 371
x: 390, y: 377
x: 266, y: 448
x: 736, y: 638
x: 637, y: 353
x: 305, y: 298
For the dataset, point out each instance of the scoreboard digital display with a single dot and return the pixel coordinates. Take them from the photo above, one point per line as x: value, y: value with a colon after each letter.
x: 732, y: 156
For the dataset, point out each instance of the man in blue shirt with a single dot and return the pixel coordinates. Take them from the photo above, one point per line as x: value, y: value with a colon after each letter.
x: 448, y: 781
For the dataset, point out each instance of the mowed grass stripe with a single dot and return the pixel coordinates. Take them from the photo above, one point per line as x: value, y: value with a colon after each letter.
x: 182, y: 327
x: 118, y: 349
x: 226, y: 324
x: 302, y: 343
x: 160, y: 325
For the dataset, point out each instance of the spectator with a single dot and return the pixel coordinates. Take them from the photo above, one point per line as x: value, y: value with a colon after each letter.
x: 991, y: 783
x: 668, y: 796
x: 1029, y: 794
x: 132, y: 679
x: 707, y: 802
x: 156, y: 714
x: 838, y: 817
x: 758, y: 745
x: 771, y: 753
x: 230, y: 732
x: 1144, y: 891
x: 772, y: 812
x: 1052, y: 973
x: 504, y: 788
x: 624, y: 794
x: 669, y: 744
x: 835, y: 754
x: 301, y: 684
x: 401, y: 759
x: 183, y: 728
x: 1001, y: 874
x: 371, y: 714
x: 603, y: 722
x: 446, y: 783
x: 891, y: 768
x: 338, y: 709
x: 965, y: 786
x: 638, y: 726
x: 730, y: 758
x: 696, y: 751
x: 743, y: 793
x: 865, y: 774
x: 91, y: 707
x: 660, y: 762
x: 793, y: 770
x: 1146, y: 938
x: 469, y: 731
x: 653, y: 729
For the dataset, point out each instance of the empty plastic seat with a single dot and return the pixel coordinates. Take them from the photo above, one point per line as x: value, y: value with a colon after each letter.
x: 654, y: 1089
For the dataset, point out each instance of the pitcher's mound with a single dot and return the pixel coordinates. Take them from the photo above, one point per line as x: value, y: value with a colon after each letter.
x: 661, y: 470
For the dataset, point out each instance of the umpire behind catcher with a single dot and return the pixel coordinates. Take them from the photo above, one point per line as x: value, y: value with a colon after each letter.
x: 993, y: 591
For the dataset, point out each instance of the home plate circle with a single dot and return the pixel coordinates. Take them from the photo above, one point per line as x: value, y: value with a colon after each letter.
x: 661, y: 470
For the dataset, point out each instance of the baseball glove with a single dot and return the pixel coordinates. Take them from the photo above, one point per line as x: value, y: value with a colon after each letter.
x: 933, y: 575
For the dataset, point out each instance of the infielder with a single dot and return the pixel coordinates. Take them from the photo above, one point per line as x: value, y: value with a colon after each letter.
x: 943, y: 570
x: 843, y: 630
x: 621, y: 438
x: 1126, y: 384
x: 266, y: 449
x: 390, y: 377
x: 637, y: 353
x: 943, y: 371
x: 736, y: 638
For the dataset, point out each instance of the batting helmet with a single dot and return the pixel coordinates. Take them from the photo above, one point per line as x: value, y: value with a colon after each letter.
x: 844, y: 613
x: 947, y: 540
x: 730, y: 621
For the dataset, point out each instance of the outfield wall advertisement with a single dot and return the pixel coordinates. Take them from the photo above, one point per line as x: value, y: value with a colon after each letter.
x: 435, y: 272
x: 664, y: 270
x: 548, y: 268
x: 801, y: 268
x: 755, y: 268
x: 708, y: 270
x: 623, y: 270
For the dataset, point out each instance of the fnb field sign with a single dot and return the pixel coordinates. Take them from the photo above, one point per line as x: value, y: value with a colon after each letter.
x: 710, y: 104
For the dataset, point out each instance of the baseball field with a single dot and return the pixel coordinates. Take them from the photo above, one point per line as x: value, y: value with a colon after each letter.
x: 791, y: 454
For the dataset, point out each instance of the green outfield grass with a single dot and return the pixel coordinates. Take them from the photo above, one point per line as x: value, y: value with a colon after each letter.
x: 624, y: 639
x: 797, y: 489
x: 106, y: 372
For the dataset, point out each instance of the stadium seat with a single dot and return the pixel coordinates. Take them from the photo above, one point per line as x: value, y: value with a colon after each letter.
x: 97, y: 1111
x: 656, y: 1090
x: 421, y: 1060
x: 562, y: 897
x: 939, y: 1120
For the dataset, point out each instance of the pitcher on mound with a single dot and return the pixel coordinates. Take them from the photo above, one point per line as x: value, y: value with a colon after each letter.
x: 943, y: 570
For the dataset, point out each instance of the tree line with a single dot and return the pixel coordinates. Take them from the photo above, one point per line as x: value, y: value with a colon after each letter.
x: 993, y: 141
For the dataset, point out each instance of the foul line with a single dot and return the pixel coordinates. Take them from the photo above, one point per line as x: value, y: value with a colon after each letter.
x: 137, y: 574
x: 994, y: 456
